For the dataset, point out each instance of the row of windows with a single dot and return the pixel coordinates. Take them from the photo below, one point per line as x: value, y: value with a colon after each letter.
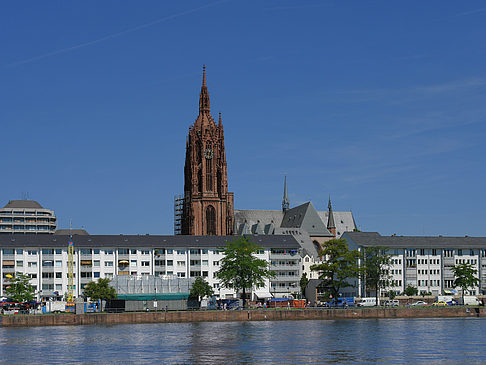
x: 411, y: 252
x: 467, y: 261
x: 58, y: 275
x: 180, y: 263
x: 21, y: 212
x: 426, y: 282
x: 284, y: 263
x: 426, y: 272
x: 279, y: 251
x: 28, y: 228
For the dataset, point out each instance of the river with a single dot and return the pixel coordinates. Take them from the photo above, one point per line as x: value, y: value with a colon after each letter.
x: 431, y: 341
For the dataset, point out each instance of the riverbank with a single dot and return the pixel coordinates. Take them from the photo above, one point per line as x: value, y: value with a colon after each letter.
x: 241, y: 315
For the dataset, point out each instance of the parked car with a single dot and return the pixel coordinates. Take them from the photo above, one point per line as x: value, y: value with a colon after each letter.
x: 440, y: 304
x: 419, y: 303
x: 391, y: 303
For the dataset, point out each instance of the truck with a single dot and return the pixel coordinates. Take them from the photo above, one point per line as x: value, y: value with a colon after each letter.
x: 367, y: 302
x: 342, y: 302
x: 54, y: 307
x: 471, y: 300
x: 449, y: 299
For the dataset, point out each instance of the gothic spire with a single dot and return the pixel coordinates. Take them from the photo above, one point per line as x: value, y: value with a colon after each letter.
x: 285, y: 201
x: 204, y: 96
x: 331, y: 226
x: 219, y: 121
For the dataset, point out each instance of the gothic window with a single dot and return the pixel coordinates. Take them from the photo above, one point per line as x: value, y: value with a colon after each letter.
x: 210, y: 220
x: 199, y: 181
x: 209, y: 168
x: 219, y: 182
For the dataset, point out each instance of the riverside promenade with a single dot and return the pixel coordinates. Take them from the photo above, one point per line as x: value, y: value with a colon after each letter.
x: 237, y: 316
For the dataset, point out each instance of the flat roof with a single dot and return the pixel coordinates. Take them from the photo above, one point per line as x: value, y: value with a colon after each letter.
x: 372, y: 239
x: 142, y: 241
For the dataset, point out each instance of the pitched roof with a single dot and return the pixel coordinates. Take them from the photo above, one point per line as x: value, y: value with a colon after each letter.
x: 23, y: 204
x: 305, y: 216
x: 344, y: 221
x: 252, y: 217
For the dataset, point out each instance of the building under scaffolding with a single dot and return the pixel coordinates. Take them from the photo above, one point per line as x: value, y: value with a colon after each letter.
x: 149, y: 293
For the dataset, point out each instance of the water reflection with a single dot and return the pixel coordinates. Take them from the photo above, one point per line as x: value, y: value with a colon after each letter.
x: 308, y: 342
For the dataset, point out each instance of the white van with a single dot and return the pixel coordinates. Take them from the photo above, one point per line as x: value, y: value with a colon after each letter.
x: 471, y: 300
x: 367, y: 302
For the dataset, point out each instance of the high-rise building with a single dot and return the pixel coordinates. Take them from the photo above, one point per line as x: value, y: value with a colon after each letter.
x: 208, y: 206
x: 26, y: 216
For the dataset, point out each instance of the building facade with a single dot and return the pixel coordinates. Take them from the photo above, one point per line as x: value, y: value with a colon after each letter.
x: 207, y: 206
x: 45, y: 259
x: 425, y: 262
x: 26, y: 216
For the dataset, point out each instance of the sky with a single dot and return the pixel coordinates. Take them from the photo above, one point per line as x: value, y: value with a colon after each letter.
x: 380, y: 105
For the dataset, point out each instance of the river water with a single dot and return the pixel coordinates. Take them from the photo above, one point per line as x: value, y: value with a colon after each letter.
x: 431, y: 341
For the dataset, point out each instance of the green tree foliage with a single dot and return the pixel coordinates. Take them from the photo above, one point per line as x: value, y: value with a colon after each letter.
x: 339, y: 265
x: 465, y: 277
x: 410, y: 291
x: 201, y: 288
x: 375, y: 270
x: 303, y: 283
x: 19, y: 289
x: 240, y: 269
x: 100, y: 290
x: 392, y: 294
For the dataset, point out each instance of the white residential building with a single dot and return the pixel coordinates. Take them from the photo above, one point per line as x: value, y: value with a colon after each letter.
x: 425, y: 262
x: 44, y: 258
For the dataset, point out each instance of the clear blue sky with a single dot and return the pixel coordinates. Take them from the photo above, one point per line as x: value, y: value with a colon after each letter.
x: 381, y: 104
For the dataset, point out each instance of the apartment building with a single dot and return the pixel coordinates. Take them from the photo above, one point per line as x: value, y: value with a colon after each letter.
x: 425, y: 262
x: 26, y: 217
x: 45, y: 259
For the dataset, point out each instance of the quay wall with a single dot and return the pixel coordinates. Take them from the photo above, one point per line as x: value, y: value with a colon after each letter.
x: 65, y: 319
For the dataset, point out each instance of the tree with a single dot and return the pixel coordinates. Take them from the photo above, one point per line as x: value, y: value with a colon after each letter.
x: 339, y: 265
x: 201, y: 288
x: 376, y: 269
x: 19, y: 289
x: 240, y: 269
x: 465, y: 277
x: 100, y: 290
x: 410, y: 290
x: 303, y: 283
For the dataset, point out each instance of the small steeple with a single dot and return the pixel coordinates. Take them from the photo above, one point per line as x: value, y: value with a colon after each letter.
x: 285, y: 201
x: 204, y: 96
x: 331, y: 226
x: 219, y: 120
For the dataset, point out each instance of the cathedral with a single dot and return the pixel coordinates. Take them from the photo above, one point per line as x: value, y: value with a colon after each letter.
x: 207, y: 207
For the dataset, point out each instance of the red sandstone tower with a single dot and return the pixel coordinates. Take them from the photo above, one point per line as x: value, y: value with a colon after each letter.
x: 208, y: 207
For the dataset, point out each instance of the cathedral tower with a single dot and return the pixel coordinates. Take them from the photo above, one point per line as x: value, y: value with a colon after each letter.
x: 208, y: 207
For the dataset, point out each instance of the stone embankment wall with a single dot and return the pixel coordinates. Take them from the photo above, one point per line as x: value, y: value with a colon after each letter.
x: 241, y: 315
